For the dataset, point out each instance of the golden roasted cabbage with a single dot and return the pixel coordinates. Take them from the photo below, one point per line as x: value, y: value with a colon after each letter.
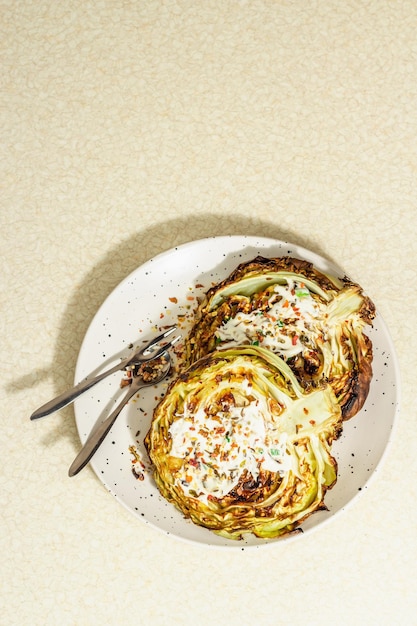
x: 315, y: 322
x: 238, y: 446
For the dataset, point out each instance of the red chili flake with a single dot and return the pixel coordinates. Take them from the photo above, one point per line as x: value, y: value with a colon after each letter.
x: 190, y: 298
x: 199, y: 285
x: 306, y: 411
x: 312, y: 422
x: 294, y: 340
x: 174, y: 300
x: 286, y: 304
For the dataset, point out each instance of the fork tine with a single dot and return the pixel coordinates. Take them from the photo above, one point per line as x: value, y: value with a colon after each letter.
x: 147, y: 351
x: 161, y: 349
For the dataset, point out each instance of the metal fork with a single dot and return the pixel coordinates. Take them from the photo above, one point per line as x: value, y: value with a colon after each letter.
x: 151, y: 351
x: 97, y: 435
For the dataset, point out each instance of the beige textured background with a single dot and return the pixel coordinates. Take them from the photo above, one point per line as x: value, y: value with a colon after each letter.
x: 130, y: 127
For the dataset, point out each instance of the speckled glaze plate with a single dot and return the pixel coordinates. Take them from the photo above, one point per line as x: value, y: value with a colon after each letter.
x: 155, y: 295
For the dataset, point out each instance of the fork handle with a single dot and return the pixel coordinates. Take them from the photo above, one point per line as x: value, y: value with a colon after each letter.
x: 98, y: 434
x: 69, y: 396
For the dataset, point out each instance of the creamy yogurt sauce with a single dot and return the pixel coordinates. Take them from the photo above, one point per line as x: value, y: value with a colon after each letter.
x: 218, y: 448
x: 292, y: 316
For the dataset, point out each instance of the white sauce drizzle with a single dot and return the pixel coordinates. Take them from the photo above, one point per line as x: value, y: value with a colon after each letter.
x: 292, y: 314
x: 217, y: 449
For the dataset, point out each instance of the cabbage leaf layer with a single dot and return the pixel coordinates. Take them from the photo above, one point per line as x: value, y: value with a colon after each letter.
x: 238, y: 446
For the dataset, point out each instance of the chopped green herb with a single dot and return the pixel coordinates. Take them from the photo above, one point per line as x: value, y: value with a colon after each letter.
x: 302, y: 292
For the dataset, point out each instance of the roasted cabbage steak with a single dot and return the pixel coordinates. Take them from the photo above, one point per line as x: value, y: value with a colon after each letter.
x: 314, y: 321
x: 239, y: 446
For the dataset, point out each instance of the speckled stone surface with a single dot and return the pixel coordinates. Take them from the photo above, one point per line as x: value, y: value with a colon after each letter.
x: 132, y: 127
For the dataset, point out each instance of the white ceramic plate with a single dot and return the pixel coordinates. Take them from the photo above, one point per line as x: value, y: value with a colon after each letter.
x: 153, y: 296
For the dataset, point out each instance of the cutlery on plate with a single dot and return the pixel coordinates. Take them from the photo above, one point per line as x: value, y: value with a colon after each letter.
x: 143, y: 375
x: 149, y: 352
